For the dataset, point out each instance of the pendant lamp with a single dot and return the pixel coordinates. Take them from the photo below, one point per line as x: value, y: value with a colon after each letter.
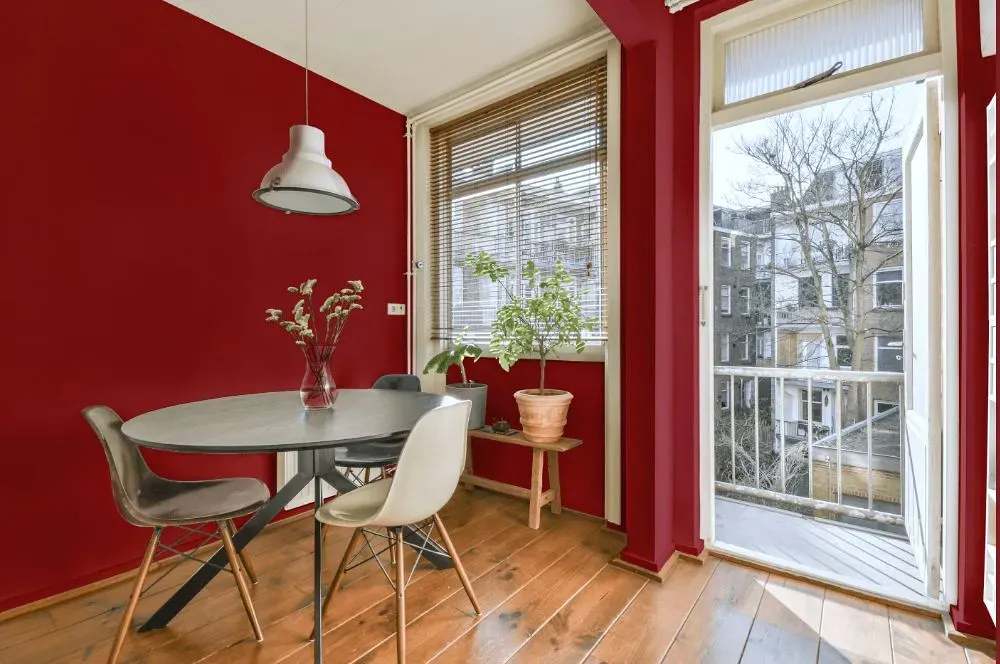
x: 305, y: 182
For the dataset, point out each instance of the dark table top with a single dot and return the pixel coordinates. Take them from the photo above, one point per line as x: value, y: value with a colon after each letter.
x: 276, y: 422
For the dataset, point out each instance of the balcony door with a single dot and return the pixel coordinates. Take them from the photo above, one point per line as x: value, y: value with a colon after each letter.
x: 923, y: 443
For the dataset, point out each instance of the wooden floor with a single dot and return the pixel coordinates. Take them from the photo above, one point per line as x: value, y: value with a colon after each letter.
x: 882, y: 564
x: 548, y: 596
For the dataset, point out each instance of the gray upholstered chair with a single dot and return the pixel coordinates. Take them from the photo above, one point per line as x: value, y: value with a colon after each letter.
x: 147, y: 500
x: 361, y: 460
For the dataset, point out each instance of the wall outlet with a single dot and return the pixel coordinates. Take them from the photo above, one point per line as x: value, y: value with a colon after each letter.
x: 397, y: 309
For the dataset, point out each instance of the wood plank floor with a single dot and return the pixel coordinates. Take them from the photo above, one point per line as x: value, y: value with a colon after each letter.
x: 548, y: 596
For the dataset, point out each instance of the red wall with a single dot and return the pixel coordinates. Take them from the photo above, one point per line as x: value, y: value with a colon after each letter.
x: 136, y: 267
x: 581, y: 471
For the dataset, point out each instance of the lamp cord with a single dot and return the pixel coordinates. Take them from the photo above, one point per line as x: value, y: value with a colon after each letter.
x: 306, y: 3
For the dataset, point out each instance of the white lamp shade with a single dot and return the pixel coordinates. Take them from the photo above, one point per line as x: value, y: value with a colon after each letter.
x: 304, y: 182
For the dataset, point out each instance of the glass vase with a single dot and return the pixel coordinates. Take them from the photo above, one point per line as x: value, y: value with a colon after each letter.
x: 318, y: 391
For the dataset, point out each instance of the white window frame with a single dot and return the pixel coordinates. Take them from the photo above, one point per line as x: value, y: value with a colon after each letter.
x: 726, y: 250
x: 419, y: 342
x: 876, y: 284
x: 744, y: 297
x: 725, y: 399
x: 939, y: 62
x: 745, y: 261
x: 745, y: 355
x: 726, y: 300
x: 724, y: 349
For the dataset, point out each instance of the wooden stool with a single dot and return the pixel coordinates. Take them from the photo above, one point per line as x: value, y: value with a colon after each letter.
x: 536, y: 497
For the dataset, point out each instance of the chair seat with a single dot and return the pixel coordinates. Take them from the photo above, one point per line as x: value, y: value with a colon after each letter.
x: 357, y: 508
x: 370, y: 455
x: 171, y: 503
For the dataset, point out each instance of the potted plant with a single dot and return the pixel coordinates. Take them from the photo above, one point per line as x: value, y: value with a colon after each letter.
x: 545, y: 317
x: 318, y: 389
x: 455, y: 356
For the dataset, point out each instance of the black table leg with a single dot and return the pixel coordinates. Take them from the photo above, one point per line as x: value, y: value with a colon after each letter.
x: 433, y: 553
x: 206, y: 573
x: 318, y: 572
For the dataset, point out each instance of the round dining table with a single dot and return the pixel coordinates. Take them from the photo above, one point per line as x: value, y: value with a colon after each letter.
x: 277, y: 422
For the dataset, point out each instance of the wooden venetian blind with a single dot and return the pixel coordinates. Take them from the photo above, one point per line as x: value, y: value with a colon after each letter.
x: 523, y: 179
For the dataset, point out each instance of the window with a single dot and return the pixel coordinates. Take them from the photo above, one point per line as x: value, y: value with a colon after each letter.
x: 889, y: 288
x: 887, y: 222
x: 765, y: 348
x: 889, y: 353
x: 726, y: 299
x: 745, y: 301
x: 841, y: 291
x: 745, y: 346
x: 812, y: 354
x: 523, y: 179
x: 815, y: 405
x: 845, y: 354
x: 808, y: 294
x: 744, y: 255
x: 763, y: 255
x: 855, y: 33
x: 724, y: 348
x: 726, y: 251
x: 884, y: 406
x: 724, y: 395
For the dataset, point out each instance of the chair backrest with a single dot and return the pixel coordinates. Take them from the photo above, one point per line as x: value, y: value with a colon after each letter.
x: 404, y: 382
x: 129, y: 472
x: 429, y: 467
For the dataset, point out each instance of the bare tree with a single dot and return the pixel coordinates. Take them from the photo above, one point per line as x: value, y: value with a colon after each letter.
x: 830, y: 181
x: 744, y: 472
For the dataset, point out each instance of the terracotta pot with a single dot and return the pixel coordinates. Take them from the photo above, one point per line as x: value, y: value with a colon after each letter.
x: 543, y: 416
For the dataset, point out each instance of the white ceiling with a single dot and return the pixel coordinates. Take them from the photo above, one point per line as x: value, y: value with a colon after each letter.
x: 405, y: 54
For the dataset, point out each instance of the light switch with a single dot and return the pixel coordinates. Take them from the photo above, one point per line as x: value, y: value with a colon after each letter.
x: 397, y: 309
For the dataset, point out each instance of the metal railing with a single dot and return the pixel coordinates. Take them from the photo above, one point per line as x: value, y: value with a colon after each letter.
x: 762, y: 463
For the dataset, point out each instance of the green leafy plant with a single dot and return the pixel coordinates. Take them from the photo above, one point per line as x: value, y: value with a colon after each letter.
x: 454, y: 356
x: 547, y: 318
x: 335, y: 309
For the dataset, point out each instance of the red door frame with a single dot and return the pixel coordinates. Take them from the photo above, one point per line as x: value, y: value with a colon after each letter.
x: 660, y: 442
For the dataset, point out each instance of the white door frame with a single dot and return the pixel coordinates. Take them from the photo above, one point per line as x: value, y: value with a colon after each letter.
x: 943, y: 63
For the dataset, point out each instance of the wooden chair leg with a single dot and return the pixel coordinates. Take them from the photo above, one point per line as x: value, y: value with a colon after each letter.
x: 535, y: 497
x: 339, y: 576
x: 400, y: 598
x: 133, y: 599
x: 469, y: 486
x: 459, y: 568
x: 244, y: 556
x: 368, y: 475
x: 241, y: 584
x: 556, y: 504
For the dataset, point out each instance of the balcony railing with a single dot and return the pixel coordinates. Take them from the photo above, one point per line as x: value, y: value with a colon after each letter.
x: 850, y: 463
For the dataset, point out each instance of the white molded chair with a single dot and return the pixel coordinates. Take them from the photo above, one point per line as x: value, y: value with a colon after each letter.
x: 426, y: 477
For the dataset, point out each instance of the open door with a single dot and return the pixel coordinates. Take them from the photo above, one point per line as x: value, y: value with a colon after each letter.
x: 922, y: 353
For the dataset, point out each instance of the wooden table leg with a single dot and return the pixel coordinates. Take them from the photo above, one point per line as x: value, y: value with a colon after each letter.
x: 556, y: 504
x: 535, y: 500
